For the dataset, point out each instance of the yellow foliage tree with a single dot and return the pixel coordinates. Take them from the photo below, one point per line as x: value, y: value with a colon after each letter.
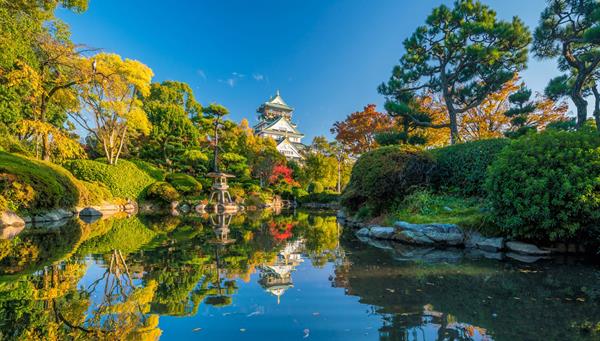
x: 112, y: 98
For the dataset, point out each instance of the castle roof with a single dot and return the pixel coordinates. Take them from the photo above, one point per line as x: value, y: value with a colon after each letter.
x: 277, y: 102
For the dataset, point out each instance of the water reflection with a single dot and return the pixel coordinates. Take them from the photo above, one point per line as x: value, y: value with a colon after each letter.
x: 292, y: 275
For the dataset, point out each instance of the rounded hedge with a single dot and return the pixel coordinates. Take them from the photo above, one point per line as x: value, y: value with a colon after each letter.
x: 385, y: 175
x: 315, y: 187
x: 184, y: 184
x: 124, y: 180
x: 162, y: 191
x: 547, y: 186
x: 463, y: 167
x: 33, y: 185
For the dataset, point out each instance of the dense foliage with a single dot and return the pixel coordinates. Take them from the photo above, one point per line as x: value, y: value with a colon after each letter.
x: 387, y: 174
x: 124, y: 179
x: 163, y: 192
x: 547, y: 186
x: 463, y: 167
x: 184, y: 183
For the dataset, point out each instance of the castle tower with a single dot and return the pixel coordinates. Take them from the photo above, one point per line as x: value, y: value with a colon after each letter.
x: 275, y: 121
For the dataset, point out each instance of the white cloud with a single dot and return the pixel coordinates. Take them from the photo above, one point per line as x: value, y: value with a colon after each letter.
x: 229, y: 81
x: 258, y: 77
x: 201, y: 73
x: 233, y: 80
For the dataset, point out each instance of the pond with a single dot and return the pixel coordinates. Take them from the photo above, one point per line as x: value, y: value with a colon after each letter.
x: 295, y: 275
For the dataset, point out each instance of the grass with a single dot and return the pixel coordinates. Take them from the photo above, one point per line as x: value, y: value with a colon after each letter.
x: 29, y: 185
x: 423, y: 207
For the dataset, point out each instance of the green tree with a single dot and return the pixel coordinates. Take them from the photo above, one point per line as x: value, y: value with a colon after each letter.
x: 173, y: 141
x: 39, y: 66
x: 464, y: 53
x: 567, y: 31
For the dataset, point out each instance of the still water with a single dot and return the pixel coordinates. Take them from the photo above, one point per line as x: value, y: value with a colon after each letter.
x: 288, y: 276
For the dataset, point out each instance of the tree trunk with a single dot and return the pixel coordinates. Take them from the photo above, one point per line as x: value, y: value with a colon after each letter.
x: 454, y: 137
x: 45, y: 137
x: 581, y: 105
x: 596, y: 107
x: 339, y: 179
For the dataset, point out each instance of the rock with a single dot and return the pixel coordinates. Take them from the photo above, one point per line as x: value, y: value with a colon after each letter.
x: 412, y: 237
x: 526, y: 249
x: 524, y: 258
x: 445, y: 234
x: 10, y: 218
x: 447, y: 209
x: 129, y: 207
x: 90, y: 212
x: 199, y: 208
x: 9, y: 232
x: 341, y: 214
x: 185, y: 208
x: 381, y: 232
x: 364, y: 232
x: 27, y: 220
x: 174, y: 205
x: 475, y: 240
x: 479, y: 253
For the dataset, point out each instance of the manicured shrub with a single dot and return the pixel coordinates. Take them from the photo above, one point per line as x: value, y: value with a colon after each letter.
x: 547, y: 186
x: 162, y: 191
x: 97, y: 192
x: 28, y: 184
x: 124, y: 180
x: 184, y: 183
x: 385, y: 175
x: 155, y: 172
x: 462, y: 168
x: 315, y: 187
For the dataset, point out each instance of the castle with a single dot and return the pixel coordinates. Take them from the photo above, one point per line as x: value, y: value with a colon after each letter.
x: 275, y: 121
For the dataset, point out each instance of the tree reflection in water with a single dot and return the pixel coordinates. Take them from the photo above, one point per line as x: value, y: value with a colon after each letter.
x: 112, y: 279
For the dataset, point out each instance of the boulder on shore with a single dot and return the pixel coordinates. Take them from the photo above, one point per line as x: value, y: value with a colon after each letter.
x: 474, y: 240
x: 10, y: 218
x: 444, y: 234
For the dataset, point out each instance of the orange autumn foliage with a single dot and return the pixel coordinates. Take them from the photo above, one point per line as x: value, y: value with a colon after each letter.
x: 357, y: 132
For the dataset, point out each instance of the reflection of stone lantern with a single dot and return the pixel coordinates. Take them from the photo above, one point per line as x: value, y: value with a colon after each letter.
x: 220, y: 224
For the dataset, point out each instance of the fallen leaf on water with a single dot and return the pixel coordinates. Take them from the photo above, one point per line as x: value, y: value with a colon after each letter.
x: 581, y: 299
x: 306, y: 332
x: 316, y: 313
x: 242, y: 329
x: 196, y: 329
x: 390, y: 290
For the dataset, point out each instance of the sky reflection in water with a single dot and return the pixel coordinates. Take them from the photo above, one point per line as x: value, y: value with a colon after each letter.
x: 289, y: 276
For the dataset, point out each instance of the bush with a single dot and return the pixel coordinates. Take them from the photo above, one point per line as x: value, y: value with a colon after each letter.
x: 150, y: 169
x: 315, y: 187
x: 184, y: 183
x: 463, y: 167
x: 162, y: 191
x: 97, y: 192
x: 547, y: 186
x: 385, y: 175
x: 28, y: 184
x: 124, y: 180
x: 326, y: 197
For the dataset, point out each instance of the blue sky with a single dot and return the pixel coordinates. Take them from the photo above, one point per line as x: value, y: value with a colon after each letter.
x: 326, y: 57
